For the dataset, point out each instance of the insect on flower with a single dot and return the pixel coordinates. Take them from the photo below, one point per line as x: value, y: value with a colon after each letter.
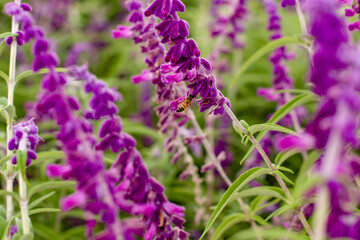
x: 185, y: 103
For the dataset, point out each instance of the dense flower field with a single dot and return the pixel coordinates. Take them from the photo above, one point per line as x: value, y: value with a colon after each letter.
x: 180, y: 119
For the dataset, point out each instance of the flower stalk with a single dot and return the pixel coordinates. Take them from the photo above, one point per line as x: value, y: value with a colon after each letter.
x: 9, y: 127
x: 269, y: 164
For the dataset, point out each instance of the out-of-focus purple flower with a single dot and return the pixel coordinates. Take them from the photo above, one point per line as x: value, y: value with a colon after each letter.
x: 285, y: 3
x: 134, y: 190
x: 334, y: 125
x: 303, y: 142
x: 28, y: 133
x: 350, y: 12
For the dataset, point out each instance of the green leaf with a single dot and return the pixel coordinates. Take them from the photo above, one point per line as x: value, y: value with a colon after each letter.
x: 5, y: 159
x: 282, y: 156
x: 21, y: 158
x: 257, y: 201
x: 50, y: 185
x: 228, y: 222
x: 2, y: 47
x: 303, y: 180
x: 48, y: 156
x: 281, y: 113
x: 270, y: 191
x: 4, y: 227
x: 234, y: 187
x: 45, y: 232
x: 259, y: 220
x: 79, y: 230
x: 285, y: 169
x: 271, y: 46
x: 293, y: 91
x: 4, y: 75
x: 283, y: 176
x: 2, y: 212
x: 269, y: 127
x: 43, y: 210
x: 23, y: 237
x: 282, y: 209
x: 274, y: 233
x: 263, y: 206
x: 307, y: 164
x: 7, y: 34
x: 29, y: 73
x: 40, y: 200
x: 7, y: 111
x: 13, y: 194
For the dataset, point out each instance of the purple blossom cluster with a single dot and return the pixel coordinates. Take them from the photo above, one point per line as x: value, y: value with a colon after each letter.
x: 127, y: 185
x: 135, y: 191
x: 53, y: 13
x: 143, y: 32
x: 28, y: 132
x: 352, y: 11
x: 333, y: 129
x: 231, y: 25
x: 226, y: 26
x: 183, y: 57
x: 281, y: 80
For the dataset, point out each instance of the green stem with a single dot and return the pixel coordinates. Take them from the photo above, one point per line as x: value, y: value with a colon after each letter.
x: 269, y: 164
x: 9, y: 127
x: 211, y: 154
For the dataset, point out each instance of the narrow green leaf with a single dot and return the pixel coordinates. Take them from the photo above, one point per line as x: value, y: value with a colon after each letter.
x: 285, y: 169
x: 228, y: 222
x: 29, y: 73
x: 270, y: 127
x: 13, y: 194
x: 4, y: 76
x: 50, y: 185
x: 307, y: 164
x: 257, y: 201
x: 283, y: 176
x: 42, y: 210
x: 21, y: 158
x: 46, y: 232
x: 235, y: 187
x: 259, y: 220
x: 2, y: 47
x: 7, y: 34
x: 40, y: 200
x: 271, y: 46
x: 5, y: 226
x: 282, y: 209
x: 48, y: 156
x: 274, y: 233
x: 5, y: 159
x: 293, y: 91
x: 281, y: 113
x: 263, y: 206
x: 270, y: 191
x: 303, y: 180
x: 8, y: 112
x: 79, y: 230
x: 23, y: 237
x: 283, y: 156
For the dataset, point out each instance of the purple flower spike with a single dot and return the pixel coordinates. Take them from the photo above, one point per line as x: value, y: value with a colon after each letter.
x: 75, y: 200
x: 29, y: 131
x: 285, y: 3
x: 162, y: 8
